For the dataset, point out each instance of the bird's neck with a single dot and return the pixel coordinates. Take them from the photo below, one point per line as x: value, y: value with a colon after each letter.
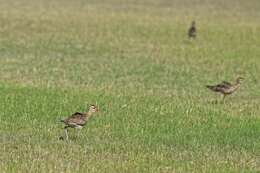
x: 236, y: 85
x: 237, y: 82
x: 89, y: 114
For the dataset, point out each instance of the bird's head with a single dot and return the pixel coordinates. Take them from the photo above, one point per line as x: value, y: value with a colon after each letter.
x: 93, y: 109
x: 239, y: 79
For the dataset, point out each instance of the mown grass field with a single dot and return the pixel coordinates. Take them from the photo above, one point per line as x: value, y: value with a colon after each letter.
x: 133, y: 59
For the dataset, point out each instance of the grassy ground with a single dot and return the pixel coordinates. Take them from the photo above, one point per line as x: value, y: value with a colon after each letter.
x: 133, y: 60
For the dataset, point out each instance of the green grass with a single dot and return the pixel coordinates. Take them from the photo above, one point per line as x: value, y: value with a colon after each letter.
x: 132, y: 59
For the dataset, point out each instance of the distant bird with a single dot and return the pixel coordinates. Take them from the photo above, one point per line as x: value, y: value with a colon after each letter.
x: 226, y: 88
x: 192, y: 32
x: 78, y: 120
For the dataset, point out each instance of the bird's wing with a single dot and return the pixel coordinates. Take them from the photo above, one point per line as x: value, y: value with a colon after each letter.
x: 192, y: 31
x: 76, y: 114
x: 76, y: 121
x: 226, y: 83
x: 223, y: 86
x: 76, y: 118
x: 219, y: 87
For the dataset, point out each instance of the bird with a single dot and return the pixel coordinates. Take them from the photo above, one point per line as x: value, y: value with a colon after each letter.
x: 226, y: 88
x: 192, y: 32
x: 77, y: 120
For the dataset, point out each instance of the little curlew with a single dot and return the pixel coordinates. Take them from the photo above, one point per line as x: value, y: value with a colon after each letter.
x: 78, y: 120
x: 192, y: 32
x: 226, y: 88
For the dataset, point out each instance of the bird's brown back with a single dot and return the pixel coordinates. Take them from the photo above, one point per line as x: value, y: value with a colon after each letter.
x: 77, y: 119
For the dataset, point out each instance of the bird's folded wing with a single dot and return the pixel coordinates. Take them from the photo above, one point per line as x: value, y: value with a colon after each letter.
x: 79, y: 120
x: 76, y: 114
x: 226, y: 83
x: 74, y: 118
x: 222, y: 86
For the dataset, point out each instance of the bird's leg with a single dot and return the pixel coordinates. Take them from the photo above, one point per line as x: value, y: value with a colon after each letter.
x: 78, y: 132
x: 223, y: 99
x: 78, y: 129
x: 66, y: 132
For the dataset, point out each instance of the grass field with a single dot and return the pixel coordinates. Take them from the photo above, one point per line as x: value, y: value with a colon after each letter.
x: 133, y: 59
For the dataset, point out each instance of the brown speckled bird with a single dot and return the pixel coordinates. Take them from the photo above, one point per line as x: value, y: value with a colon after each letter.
x: 192, y: 32
x: 78, y: 120
x: 226, y: 88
